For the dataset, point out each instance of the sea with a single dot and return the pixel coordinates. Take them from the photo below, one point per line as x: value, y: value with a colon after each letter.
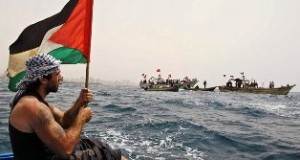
x: 184, y: 125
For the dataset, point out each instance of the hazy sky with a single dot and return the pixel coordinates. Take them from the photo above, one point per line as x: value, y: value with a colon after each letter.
x: 201, y: 39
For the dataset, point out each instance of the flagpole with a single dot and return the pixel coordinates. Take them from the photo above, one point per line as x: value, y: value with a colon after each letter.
x: 87, y: 75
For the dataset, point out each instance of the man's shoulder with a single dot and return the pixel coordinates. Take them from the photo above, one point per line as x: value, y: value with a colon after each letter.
x: 23, y: 115
x: 29, y: 102
x: 28, y: 99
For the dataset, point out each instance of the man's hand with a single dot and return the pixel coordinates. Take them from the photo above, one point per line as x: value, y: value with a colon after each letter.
x: 85, y: 114
x: 86, y: 96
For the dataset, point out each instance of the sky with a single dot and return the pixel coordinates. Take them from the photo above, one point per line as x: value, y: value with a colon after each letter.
x: 202, y: 39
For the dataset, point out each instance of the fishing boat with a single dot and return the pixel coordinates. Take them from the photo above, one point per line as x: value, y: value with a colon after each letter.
x: 6, y: 156
x: 168, y: 88
x: 211, y: 89
x: 159, y: 84
x: 283, y: 90
x: 144, y: 85
x: 187, y: 83
x: 147, y: 85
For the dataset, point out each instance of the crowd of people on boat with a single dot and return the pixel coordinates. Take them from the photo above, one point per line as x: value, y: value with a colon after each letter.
x: 159, y: 81
x: 169, y: 81
x: 186, y: 81
x: 241, y: 83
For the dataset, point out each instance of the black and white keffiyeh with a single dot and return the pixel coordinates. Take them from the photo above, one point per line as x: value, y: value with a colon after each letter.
x: 37, y: 67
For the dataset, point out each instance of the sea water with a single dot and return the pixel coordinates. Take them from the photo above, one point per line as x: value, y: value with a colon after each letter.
x: 184, y: 125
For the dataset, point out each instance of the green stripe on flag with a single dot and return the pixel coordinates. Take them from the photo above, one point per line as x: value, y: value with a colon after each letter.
x: 68, y: 55
x: 12, y: 85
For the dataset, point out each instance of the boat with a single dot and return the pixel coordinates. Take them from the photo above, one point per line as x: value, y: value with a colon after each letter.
x: 211, y: 89
x: 153, y: 83
x: 144, y: 85
x: 6, y: 156
x: 10, y: 156
x: 174, y: 88
x: 187, y: 83
x: 283, y: 90
x: 159, y: 84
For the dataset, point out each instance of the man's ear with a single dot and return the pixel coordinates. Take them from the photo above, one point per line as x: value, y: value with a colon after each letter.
x: 43, y: 80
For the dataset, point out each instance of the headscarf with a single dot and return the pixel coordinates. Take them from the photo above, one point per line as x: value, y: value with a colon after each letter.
x: 37, y: 67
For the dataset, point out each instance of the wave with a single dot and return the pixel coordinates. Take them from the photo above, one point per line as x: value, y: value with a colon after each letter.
x: 286, y: 156
x: 159, y: 139
x: 117, y: 108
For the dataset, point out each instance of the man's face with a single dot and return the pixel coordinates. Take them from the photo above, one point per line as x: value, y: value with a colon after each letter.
x: 54, y: 82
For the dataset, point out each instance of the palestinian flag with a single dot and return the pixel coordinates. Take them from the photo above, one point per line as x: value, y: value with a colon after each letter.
x: 65, y: 35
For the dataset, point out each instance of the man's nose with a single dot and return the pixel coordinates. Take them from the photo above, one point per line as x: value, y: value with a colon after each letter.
x: 61, y: 79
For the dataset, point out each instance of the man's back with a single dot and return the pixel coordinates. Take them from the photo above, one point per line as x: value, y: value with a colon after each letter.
x: 25, y: 143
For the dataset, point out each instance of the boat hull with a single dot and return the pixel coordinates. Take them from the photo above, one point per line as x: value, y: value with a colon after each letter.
x: 164, y: 88
x: 284, y: 90
x: 6, y: 156
x: 211, y: 89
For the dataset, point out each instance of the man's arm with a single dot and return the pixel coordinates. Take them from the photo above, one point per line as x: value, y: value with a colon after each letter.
x: 60, y: 141
x: 67, y: 118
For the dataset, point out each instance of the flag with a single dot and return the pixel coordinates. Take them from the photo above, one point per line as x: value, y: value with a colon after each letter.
x: 158, y: 70
x: 144, y: 75
x: 65, y: 35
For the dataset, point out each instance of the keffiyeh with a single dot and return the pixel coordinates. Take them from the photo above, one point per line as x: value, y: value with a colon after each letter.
x: 37, y: 67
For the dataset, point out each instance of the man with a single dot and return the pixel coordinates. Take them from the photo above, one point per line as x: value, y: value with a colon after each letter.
x: 41, y: 131
x: 204, y: 83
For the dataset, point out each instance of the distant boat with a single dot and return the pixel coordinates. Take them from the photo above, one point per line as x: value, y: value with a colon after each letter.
x: 186, y: 83
x: 202, y: 89
x: 151, y: 85
x: 144, y: 85
x: 174, y: 88
x: 283, y: 90
x: 158, y: 83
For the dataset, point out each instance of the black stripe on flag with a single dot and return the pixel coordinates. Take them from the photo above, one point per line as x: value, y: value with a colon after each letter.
x: 32, y: 36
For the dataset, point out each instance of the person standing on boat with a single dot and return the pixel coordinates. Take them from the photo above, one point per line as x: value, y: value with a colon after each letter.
x: 255, y: 84
x: 271, y: 85
x: 229, y: 83
x: 40, y: 131
x: 204, y: 83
